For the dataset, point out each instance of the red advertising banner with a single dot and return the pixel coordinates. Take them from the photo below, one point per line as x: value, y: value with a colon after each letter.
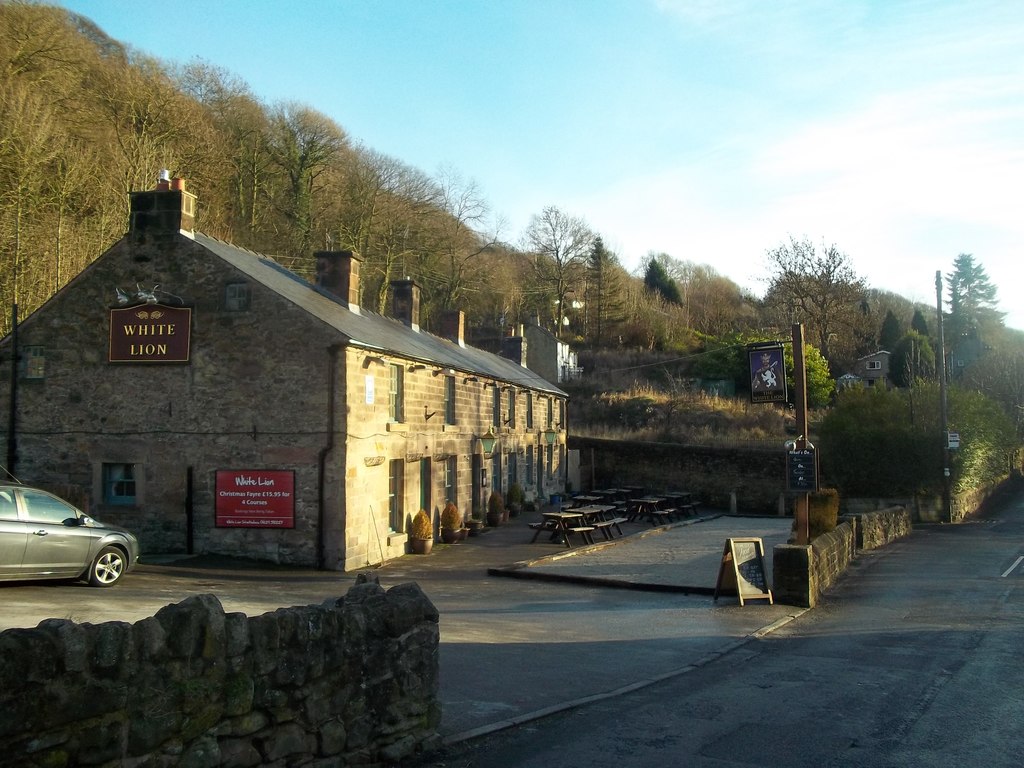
x: 255, y: 498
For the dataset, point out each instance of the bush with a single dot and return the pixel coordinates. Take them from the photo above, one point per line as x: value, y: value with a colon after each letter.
x: 422, y: 528
x: 495, y: 504
x: 515, y: 495
x: 451, y: 518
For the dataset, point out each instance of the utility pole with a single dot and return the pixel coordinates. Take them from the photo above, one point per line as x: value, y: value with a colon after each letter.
x: 946, y: 500
x: 801, y: 503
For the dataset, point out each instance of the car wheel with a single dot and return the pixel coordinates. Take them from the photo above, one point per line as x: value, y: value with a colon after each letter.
x: 108, y: 567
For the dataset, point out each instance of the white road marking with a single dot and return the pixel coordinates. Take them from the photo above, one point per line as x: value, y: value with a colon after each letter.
x: 1015, y: 564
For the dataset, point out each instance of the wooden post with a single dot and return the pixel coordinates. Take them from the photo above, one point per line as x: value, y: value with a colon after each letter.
x: 802, y: 501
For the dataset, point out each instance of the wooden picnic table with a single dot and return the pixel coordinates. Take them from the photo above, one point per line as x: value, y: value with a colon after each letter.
x: 648, y: 507
x: 562, y: 524
x: 602, y: 518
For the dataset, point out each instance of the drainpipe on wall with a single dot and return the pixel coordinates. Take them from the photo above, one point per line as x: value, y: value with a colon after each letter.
x: 322, y: 459
x: 12, y: 421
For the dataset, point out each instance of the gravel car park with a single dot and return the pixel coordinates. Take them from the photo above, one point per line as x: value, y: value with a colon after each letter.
x: 44, y: 537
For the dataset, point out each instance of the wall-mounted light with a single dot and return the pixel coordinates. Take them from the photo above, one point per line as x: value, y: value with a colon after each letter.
x: 444, y: 372
x: 373, y: 360
x: 416, y: 366
x: 470, y: 379
x: 144, y: 295
x: 488, y: 440
x: 550, y: 436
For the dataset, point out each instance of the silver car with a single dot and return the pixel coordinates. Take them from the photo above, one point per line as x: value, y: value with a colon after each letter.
x: 44, y: 537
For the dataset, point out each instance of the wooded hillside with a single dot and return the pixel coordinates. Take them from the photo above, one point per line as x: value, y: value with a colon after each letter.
x: 84, y: 120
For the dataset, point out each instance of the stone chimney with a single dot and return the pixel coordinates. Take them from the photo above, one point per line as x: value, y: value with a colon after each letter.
x: 163, y: 212
x: 337, y: 272
x: 514, y: 347
x: 453, y: 326
x: 405, y: 302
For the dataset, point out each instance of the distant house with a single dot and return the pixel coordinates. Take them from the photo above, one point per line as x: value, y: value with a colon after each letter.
x: 212, y: 401
x: 872, y: 370
x: 546, y: 355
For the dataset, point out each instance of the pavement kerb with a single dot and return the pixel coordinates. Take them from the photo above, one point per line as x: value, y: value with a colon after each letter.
x: 526, y: 717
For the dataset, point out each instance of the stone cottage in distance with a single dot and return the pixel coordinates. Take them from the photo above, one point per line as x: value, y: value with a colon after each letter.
x: 210, y: 400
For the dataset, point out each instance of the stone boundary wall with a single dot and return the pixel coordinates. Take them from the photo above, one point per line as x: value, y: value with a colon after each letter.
x: 801, y: 573
x: 352, y: 682
x: 716, y: 476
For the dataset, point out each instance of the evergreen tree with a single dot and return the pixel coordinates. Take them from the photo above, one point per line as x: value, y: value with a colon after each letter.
x: 890, y: 332
x: 972, y: 299
x: 919, y: 323
x: 604, y: 303
x: 912, y: 359
x: 656, y: 280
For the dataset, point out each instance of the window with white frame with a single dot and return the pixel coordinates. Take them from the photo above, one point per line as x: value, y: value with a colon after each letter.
x: 396, y: 393
x: 396, y: 495
x: 874, y: 365
x: 34, y: 362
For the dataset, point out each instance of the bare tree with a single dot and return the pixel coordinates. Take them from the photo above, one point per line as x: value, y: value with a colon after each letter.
x: 817, y: 288
x: 560, y: 244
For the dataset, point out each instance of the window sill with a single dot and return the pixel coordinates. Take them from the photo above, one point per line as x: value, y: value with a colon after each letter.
x: 397, y: 426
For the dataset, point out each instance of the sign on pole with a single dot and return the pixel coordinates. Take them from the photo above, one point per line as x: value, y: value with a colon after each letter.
x: 767, y: 373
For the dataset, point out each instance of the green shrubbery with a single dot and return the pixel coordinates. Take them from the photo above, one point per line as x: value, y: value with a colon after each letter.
x: 878, y: 442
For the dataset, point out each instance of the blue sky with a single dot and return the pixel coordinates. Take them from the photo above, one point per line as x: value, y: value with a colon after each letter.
x: 711, y: 130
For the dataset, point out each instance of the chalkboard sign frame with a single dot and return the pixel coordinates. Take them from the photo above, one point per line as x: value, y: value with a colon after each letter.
x: 742, y: 571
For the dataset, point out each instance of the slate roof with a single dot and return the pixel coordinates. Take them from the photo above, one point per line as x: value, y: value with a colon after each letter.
x: 369, y: 330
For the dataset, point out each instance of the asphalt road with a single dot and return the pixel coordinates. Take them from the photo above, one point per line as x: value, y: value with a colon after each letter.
x: 913, y: 659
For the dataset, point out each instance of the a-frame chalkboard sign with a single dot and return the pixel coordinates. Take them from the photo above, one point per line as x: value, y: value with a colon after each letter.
x: 742, y: 571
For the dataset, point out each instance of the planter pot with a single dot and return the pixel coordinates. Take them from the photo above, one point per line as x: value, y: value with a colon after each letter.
x: 494, y: 519
x: 451, y: 535
x: 474, y: 527
x: 421, y: 546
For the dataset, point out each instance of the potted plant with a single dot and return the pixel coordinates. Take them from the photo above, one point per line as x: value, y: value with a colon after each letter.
x: 495, y: 509
x: 421, y: 536
x: 514, y: 502
x: 452, y: 529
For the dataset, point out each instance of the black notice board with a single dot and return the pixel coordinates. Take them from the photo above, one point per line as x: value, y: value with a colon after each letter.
x: 802, y: 471
x: 742, y: 571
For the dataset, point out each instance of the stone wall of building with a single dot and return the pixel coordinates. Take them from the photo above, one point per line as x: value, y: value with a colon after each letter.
x: 351, y: 682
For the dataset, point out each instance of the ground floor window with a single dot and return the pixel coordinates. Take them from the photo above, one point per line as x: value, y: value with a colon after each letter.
x: 119, y: 484
x: 396, y: 495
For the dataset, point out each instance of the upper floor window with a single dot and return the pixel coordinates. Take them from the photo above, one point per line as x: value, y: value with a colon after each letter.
x: 529, y: 410
x: 396, y: 393
x: 496, y: 406
x: 237, y: 297
x: 511, y: 420
x: 551, y: 412
x: 874, y: 365
x: 34, y: 361
x: 449, y: 399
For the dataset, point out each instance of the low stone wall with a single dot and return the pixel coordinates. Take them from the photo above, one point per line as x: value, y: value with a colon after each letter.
x: 878, y: 528
x: 801, y: 573
x: 351, y: 682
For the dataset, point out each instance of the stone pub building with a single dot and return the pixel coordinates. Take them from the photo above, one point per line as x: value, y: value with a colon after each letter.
x: 214, y: 402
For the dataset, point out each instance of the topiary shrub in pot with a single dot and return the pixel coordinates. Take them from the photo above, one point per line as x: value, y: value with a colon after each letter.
x: 421, y: 535
x: 452, y: 528
x: 495, y: 509
x: 515, y: 499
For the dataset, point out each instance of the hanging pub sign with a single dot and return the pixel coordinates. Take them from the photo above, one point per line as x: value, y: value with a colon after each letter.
x: 255, y: 498
x: 150, y: 333
x: 767, y: 373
